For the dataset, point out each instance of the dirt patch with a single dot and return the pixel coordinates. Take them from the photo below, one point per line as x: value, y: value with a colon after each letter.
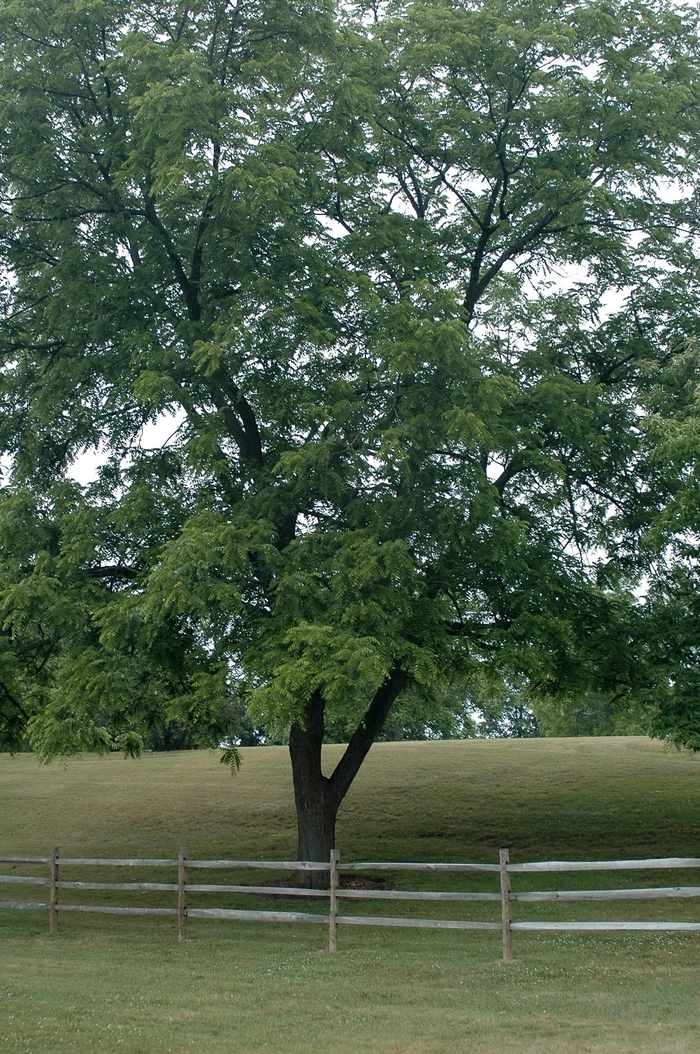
x: 352, y: 882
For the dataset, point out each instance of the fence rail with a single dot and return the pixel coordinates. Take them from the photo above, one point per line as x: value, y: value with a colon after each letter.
x: 607, y: 865
x: 506, y: 897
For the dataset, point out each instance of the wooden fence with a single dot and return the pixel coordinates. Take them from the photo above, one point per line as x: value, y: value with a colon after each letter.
x: 506, y: 897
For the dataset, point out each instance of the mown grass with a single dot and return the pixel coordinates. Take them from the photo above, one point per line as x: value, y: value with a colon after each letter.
x: 113, y: 984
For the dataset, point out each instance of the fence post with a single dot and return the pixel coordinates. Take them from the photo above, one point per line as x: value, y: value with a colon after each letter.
x: 505, y: 907
x: 182, y: 894
x: 53, y: 892
x: 333, y: 902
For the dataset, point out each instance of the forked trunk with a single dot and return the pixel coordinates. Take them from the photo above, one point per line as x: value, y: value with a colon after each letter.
x: 318, y: 797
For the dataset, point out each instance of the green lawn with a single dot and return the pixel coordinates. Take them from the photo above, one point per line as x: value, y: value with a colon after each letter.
x: 108, y: 984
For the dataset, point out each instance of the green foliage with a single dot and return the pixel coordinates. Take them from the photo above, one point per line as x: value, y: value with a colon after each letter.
x: 327, y: 246
x: 592, y: 714
x: 421, y: 712
x: 504, y: 711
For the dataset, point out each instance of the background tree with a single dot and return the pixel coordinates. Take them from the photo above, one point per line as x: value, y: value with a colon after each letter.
x: 670, y: 631
x: 324, y: 245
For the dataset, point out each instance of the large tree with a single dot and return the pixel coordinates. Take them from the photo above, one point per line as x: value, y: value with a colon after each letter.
x: 400, y: 277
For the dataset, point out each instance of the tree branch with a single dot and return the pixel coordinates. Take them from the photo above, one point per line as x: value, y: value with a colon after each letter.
x: 10, y: 697
x: 367, y: 731
x: 112, y: 571
x: 188, y: 289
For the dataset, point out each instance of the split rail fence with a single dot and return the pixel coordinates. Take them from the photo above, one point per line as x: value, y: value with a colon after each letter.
x: 506, y: 897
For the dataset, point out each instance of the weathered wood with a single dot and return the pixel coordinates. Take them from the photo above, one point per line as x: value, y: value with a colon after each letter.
x: 142, y: 887
x: 273, y: 865
x: 266, y: 891
x: 650, y: 893
x: 98, y: 909
x: 255, y: 916
x: 505, y: 906
x: 182, y: 894
x: 601, y: 927
x: 25, y: 859
x: 289, y: 891
x: 606, y: 865
x: 334, y: 893
x: 401, y: 894
x: 53, y: 892
x: 382, y: 866
x: 23, y: 905
x: 424, y: 924
x: 333, y: 902
x: 100, y: 861
x: 365, y: 920
x: 24, y: 880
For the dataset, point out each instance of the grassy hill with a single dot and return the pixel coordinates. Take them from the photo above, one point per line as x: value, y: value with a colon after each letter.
x: 458, y: 800
x: 111, y: 984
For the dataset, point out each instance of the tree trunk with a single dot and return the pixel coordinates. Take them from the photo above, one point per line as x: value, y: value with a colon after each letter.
x: 318, y: 797
x: 314, y: 800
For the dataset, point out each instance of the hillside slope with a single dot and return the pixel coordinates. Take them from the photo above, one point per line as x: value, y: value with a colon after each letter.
x: 428, y: 800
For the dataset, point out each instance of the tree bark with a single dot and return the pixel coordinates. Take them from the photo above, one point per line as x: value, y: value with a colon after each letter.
x: 318, y: 797
x: 316, y: 809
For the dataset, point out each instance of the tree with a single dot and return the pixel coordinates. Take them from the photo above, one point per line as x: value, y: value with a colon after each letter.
x: 403, y: 452
x: 670, y: 634
x: 505, y: 711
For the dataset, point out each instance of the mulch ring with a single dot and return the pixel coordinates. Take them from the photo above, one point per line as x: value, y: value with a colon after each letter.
x: 352, y: 882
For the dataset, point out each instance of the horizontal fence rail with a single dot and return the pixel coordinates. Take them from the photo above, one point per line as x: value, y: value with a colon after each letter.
x: 607, y: 865
x: 334, y: 894
x: 384, y: 866
x: 274, y: 865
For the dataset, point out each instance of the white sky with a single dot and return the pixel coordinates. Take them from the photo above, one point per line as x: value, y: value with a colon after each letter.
x: 154, y: 435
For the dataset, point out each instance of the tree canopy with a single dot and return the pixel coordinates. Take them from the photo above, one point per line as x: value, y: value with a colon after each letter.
x: 416, y: 283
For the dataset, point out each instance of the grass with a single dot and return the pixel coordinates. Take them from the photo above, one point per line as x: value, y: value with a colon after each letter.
x: 108, y: 985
